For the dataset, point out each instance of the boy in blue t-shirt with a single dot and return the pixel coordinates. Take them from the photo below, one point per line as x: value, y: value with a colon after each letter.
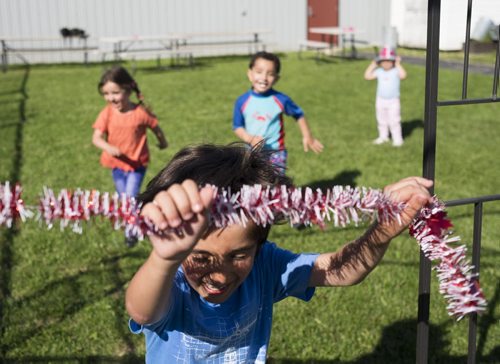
x: 205, y: 294
x: 258, y: 113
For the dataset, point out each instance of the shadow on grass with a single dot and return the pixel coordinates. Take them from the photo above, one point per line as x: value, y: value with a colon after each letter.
x: 196, y: 63
x: 409, y: 126
x: 8, y: 236
x: 486, y: 320
x: 344, y: 178
x: 129, y: 359
x: 61, y: 299
x: 397, y: 345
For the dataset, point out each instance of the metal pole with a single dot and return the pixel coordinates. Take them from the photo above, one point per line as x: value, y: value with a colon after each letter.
x: 497, y: 69
x: 429, y: 161
x: 466, y: 51
x: 5, y: 59
x: 476, y: 251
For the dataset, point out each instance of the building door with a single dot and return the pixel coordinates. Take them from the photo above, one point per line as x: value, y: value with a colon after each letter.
x: 322, y: 13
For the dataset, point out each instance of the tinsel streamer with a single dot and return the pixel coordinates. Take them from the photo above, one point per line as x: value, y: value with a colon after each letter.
x: 457, y: 282
x: 11, y: 205
x: 264, y: 206
x: 342, y: 205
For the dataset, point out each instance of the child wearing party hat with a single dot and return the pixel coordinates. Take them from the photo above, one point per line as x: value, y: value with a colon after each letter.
x: 388, y: 72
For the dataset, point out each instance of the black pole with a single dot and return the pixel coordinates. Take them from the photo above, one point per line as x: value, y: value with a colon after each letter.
x: 466, y: 51
x: 430, y: 116
x: 476, y: 251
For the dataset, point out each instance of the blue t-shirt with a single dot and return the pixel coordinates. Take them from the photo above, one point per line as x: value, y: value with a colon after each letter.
x: 262, y: 114
x: 237, y: 330
x: 388, y: 83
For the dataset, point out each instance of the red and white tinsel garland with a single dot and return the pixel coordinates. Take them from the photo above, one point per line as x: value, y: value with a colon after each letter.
x: 457, y: 283
x: 339, y: 205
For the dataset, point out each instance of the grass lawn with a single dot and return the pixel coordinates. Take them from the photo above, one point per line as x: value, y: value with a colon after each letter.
x: 62, y: 294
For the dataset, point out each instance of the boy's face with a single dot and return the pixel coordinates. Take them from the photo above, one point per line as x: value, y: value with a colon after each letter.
x: 221, y: 261
x: 386, y: 65
x: 262, y: 75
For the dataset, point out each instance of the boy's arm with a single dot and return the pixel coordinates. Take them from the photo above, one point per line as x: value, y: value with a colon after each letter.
x: 101, y: 143
x: 353, y: 262
x: 370, y: 71
x: 162, y: 141
x: 183, y: 207
x: 308, y: 140
x: 246, y: 137
x: 402, y: 71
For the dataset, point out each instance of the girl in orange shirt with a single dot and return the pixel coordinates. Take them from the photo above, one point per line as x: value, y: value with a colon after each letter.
x: 120, y: 131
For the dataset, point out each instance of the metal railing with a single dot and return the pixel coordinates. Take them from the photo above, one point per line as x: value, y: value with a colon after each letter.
x: 429, y: 160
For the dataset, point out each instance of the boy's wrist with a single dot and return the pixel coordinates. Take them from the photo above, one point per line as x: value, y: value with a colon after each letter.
x: 163, y: 265
x: 377, y: 235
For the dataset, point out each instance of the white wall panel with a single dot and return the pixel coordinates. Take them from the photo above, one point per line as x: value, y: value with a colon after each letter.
x: 367, y: 16
x: 286, y: 19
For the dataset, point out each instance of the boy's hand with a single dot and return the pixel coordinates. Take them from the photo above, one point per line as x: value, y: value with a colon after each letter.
x: 182, y: 207
x: 313, y: 144
x: 413, y: 191
x: 256, y: 139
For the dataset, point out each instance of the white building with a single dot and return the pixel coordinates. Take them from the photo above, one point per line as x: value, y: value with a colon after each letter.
x: 285, y: 22
x: 409, y: 17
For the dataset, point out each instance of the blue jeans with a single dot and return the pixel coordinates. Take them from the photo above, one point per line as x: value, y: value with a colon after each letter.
x: 128, y: 183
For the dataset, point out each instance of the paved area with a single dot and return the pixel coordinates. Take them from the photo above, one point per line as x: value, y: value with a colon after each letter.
x: 455, y: 65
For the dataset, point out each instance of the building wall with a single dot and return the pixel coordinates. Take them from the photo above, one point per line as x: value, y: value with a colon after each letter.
x: 368, y: 17
x: 409, y: 17
x: 285, y: 20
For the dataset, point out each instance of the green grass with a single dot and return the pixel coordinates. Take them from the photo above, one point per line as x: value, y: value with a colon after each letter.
x: 62, y: 293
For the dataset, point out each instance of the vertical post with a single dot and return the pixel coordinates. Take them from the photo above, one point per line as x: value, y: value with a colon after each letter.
x: 429, y: 160
x: 466, y: 51
x: 354, y: 53
x: 497, y: 69
x: 4, y: 56
x: 476, y: 250
x: 85, y: 52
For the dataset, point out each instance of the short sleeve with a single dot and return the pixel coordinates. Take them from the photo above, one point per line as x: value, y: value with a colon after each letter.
x: 289, y: 107
x: 238, y: 118
x: 290, y: 271
x: 149, y: 118
x: 102, y: 121
x: 169, y: 317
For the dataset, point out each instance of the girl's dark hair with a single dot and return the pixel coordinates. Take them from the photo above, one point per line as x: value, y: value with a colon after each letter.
x: 122, y: 78
x: 267, y: 56
x: 232, y: 166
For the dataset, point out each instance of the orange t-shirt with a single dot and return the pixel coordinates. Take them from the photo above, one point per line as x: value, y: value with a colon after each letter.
x: 127, y: 131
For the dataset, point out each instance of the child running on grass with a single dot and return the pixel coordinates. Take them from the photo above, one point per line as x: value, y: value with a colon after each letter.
x: 120, y: 131
x: 388, y: 72
x: 258, y: 113
x: 206, y: 295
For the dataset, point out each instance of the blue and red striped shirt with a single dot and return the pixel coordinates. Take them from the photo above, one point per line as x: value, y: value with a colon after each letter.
x: 262, y: 115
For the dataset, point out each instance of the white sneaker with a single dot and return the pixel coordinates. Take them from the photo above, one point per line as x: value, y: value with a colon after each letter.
x: 380, y: 141
x: 397, y: 144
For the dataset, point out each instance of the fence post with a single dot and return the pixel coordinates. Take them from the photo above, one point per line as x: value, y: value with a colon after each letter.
x: 429, y: 160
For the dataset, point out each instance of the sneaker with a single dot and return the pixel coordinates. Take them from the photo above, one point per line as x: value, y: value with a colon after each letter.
x: 379, y: 141
x: 397, y: 144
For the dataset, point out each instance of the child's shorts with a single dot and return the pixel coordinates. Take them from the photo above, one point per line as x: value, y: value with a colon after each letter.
x: 278, y: 159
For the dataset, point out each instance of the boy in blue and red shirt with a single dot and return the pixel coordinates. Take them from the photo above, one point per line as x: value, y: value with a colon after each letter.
x: 258, y: 113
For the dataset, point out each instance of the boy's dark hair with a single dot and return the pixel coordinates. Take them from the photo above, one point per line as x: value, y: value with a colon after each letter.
x: 232, y: 166
x: 267, y: 56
